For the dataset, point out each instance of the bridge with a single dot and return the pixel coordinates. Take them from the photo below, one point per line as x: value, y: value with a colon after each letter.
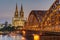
x: 43, y: 22
x: 50, y: 21
x: 40, y: 21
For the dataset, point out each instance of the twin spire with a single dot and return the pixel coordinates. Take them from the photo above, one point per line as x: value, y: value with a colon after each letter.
x: 20, y: 14
x: 16, y: 11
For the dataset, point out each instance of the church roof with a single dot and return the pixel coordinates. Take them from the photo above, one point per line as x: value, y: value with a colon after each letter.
x: 39, y: 14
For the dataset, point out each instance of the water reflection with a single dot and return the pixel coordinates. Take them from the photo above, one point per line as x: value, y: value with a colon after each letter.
x: 36, y: 37
x: 7, y: 37
x: 18, y: 37
x: 23, y: 38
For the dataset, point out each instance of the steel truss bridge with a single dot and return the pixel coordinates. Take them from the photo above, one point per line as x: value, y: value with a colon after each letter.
x: 51, y: 21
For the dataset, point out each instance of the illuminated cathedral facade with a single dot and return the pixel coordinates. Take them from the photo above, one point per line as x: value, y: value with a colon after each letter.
x: 18, y: 19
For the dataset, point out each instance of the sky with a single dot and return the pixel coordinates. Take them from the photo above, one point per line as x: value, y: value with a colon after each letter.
x: 7, y: 7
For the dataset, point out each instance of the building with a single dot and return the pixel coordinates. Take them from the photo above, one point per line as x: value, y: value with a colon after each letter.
x: 18, y: 19
x: 4, y: 25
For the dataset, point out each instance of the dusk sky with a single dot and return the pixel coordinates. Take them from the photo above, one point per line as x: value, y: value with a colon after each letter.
x: 7, y: 7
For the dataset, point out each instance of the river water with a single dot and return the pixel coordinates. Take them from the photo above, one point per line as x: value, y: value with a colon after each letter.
x: 7, y: 37
x: 18, y: 37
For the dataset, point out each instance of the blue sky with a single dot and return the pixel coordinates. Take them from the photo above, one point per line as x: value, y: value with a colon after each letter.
x: 7, y: 7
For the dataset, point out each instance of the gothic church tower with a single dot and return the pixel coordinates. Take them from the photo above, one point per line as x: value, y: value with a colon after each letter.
x: 16, y: 12
x: 21, y: 12
x: 18, y: 19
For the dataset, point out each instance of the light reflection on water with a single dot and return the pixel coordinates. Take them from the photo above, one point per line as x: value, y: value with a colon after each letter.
x: 17, y: 37
x: 36, y: 37
x: 7, y: 37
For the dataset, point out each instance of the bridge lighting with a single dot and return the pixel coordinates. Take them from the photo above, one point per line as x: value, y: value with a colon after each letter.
x: 36, y: 37
x: 23, y: 38
x: 23, y: 32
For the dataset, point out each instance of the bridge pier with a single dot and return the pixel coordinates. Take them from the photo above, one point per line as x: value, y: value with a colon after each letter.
x: 31, y: 35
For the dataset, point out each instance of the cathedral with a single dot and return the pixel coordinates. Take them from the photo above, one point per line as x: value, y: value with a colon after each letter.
x: 18, y: 19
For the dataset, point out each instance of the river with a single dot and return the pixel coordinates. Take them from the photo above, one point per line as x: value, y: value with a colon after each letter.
x: 18, y: 37
x: 7, y: 37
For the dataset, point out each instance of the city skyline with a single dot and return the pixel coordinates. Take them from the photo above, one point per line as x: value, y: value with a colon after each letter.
x: 7, y: 8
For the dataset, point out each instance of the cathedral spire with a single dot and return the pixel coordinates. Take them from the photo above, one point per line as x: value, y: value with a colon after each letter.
x: 16, y: 11
x: 21, y: 8
x: 21, y: 12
